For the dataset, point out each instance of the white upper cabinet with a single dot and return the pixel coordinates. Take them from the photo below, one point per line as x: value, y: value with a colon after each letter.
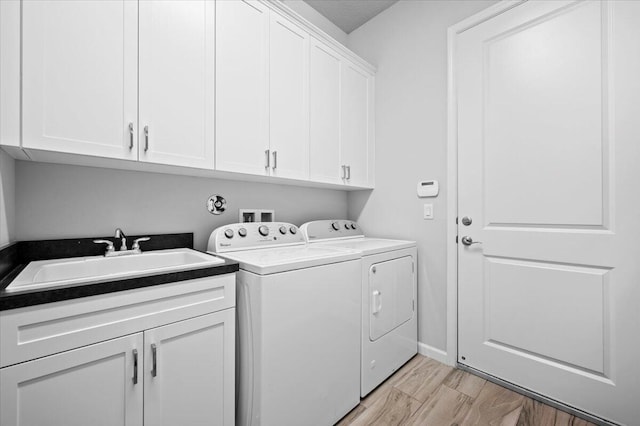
x: 79, y: 77
x: 242, y: 84
x: 356, y: 125
x: 177, y: 82
x: 289, y: 98
x: 324, y: 113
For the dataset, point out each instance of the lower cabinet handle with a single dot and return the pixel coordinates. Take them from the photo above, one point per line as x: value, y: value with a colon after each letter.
x: 266, y: 159
x: 135, y: 367
x: 154, y: 360
x: 146, y: 138
x: 130, y: 136
x: 275, y: 159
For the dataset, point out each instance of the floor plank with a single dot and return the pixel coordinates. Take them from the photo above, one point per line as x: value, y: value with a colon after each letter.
x: 446, y: 407
x: 464, y: 382
x: 393, y: 410
x: 495, y: 405
x: 353, y: 414
x: 536, y: 413
x: 423, y: 379
x: 566, y: 419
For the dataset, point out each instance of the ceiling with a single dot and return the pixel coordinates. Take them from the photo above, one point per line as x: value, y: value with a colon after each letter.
x: 349, y: 14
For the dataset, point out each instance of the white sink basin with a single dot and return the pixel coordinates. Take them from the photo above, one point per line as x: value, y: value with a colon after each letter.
x: 77, y: 270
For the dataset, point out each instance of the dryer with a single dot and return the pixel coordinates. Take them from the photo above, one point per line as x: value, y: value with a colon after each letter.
x: 389, y: 332
x: 298, y: 310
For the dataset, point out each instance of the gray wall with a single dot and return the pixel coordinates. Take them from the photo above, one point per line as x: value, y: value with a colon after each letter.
x: 7, y: 199
x: 60, y: 201
x: 408, y: 43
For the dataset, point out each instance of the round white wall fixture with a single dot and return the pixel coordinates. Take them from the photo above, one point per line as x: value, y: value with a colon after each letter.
x: 216, y: 204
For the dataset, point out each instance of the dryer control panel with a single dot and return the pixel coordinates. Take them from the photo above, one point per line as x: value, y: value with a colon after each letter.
x: 330, y: 229
x: 246, y: 236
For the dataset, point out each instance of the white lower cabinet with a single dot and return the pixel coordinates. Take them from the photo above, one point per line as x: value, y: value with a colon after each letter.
x: 178, y: 368
x: 189, y: 372
x: 93, y: 385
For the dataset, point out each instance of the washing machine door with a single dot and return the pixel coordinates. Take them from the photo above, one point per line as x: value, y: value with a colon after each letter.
x: 390, y: 295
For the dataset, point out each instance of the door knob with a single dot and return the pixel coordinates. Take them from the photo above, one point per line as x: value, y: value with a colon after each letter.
x: 466, y: 221
x: 467, y: 241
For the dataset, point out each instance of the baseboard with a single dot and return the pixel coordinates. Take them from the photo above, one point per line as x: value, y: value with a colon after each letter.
x: 433, y: 353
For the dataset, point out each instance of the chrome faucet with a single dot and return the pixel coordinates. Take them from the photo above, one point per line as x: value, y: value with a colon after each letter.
x: 135, y: 248
x: 123, y: 239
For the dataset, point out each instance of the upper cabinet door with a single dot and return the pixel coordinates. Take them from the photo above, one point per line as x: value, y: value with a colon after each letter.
x: 324, y: 114
x: 242, y: 103
x: 177, y: 82
x: 356, y: 126
x: 79, y: 77
x: 289, y: 99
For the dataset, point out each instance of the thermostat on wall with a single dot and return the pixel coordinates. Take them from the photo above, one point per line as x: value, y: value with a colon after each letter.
x: 428, y: 188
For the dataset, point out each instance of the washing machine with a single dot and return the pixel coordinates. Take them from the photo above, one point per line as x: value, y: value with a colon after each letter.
x: 298, y: 312
x: 389, y: 333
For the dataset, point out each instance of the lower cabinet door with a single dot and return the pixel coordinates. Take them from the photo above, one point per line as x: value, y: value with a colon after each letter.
x: 190, y: 372
x: 96, y: 385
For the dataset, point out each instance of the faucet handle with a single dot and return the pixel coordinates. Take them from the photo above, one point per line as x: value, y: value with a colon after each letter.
x: 109, y: 244
x: 137, y: 241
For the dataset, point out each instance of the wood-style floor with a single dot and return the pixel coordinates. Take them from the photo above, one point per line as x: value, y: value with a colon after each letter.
x: 426, y: 392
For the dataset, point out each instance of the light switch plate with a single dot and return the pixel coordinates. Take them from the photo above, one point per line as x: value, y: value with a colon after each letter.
x: 428, y: 211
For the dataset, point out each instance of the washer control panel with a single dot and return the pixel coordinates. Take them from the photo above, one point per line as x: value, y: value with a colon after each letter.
x: 243, y: 236
x: 330, y: 229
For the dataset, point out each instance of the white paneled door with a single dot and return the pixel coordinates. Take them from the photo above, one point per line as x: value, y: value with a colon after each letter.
x: 177, y: 82
x: 80, y: 77
x: 549, y: 282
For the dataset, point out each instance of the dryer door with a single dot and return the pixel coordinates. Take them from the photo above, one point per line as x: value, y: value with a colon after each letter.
x: 390, y: 294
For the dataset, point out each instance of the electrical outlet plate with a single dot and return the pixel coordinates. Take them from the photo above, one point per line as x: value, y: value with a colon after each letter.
x: 256, y: 215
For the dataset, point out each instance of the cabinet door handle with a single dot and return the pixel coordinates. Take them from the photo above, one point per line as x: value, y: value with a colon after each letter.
x: 344, y: 172
x: 266, y: 159
x: 154, y: 360
x: 348, y: 172
x: 130, y: 136
x: 135, y: 367
x: 275, y: 159
x: 146, y: 138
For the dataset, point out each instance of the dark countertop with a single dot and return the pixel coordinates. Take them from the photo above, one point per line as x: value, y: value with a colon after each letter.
x: 14, y: 258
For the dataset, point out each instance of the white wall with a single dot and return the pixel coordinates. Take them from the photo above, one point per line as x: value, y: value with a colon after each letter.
x: 408, y: 43
x: 317, y: 19
x: 60, y: 201
x: 7, y: 199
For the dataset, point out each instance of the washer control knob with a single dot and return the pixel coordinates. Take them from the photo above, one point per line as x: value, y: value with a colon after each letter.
x: 353, y: 226
x: 228, y: 233
x: 293, y: 230
x: 242, y: 232
x: 283, y: 230
x: 346, y: 226
x: 263, y: 230
x: 335, y: 226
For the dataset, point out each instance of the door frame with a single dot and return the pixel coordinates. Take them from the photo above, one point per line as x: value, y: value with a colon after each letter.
x: 452, y: 168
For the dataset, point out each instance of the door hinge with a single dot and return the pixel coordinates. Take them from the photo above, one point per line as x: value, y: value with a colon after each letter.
x: 456, y: 239
x: 413, y: 305
x: 456, y: 220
